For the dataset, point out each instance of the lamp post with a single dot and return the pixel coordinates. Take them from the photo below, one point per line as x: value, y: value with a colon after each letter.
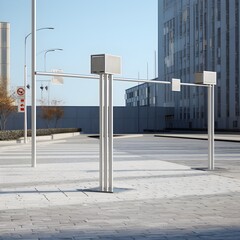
x: 25, y: 79
x: 47, y: 51
x: 45, y: 67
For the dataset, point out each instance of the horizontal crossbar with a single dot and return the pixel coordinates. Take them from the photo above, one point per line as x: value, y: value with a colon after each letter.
x: 70, y: 75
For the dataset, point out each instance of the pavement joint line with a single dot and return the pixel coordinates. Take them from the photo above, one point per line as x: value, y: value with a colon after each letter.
x: 63, y: 193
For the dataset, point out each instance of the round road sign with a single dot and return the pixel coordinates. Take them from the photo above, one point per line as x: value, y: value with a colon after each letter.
x: 20, y: 91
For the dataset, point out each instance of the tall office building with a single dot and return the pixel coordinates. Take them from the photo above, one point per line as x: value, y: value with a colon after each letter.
x: 5, y: 55
x: 198, y: 35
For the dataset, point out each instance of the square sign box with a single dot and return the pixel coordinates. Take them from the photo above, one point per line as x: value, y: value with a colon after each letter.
x: 176, y: 85
x: 207, y: 78
x: 105, y: 64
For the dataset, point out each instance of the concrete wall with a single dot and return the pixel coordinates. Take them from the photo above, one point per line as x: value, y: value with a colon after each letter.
x: 126, y: 119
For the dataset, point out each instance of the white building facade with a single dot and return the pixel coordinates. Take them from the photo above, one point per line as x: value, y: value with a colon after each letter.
x: 142, y: 95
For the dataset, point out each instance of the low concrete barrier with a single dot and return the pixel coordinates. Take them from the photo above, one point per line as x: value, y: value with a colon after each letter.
x: 50, y: 137
x: 64, y: 135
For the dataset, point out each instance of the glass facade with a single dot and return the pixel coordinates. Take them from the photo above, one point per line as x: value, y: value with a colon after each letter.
x: 199, y: 35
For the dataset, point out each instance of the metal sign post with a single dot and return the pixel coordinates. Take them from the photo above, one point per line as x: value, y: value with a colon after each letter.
x: 106, y: 134
x: 209, y: 79
x: 34, y: 149
x: 110, y: 132
x: 211, y: 127
x: 105, y: 66
x: 25, y: 98
x: 205, y: 79
x: 106, y: 119
x: 101, y: 127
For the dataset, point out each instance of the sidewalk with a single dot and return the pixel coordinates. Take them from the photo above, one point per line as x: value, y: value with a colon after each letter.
x: 152, y: 199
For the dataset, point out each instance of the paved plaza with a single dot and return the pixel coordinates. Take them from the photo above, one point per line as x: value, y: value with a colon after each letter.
x: 161, y: 190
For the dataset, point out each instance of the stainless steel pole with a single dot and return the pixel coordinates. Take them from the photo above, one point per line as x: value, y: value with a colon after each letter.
x: 212, y: 132
x: 25, y: 103
x: 33, y: 83
x: 25, y: 87
x: 110, y: 132
x: 101, y: 131
x: 210, y: 128
x: 106, y: 138
x: 25, y: 81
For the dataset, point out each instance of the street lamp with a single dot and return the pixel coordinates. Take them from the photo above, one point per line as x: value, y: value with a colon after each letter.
x: 47, y: 51
x: 45, y: 68
x: 25, y: 79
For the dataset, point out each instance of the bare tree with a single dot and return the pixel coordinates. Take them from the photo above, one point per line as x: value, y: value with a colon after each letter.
x: 6, y: 107
x: 52, y: 113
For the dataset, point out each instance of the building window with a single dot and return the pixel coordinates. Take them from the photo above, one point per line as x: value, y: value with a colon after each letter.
x: 202, y: 112
x: 219, y: 102
x: 235, y: 124
x: 219, y: 10
x: 188, y: 113
x: 219, y: 37
x: 197, y: 18
x: 185, y: 114
x: 198, y: 113
x: 227, y: 60
x: 237, y: 58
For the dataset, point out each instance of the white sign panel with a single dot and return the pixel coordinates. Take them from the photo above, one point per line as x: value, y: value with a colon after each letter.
x: 57, y: 79
x: 21, y: 105
x: 176, y: 86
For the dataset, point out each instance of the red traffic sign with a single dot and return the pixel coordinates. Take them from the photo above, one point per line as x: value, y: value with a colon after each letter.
x: 21, y: 105
x: 21, y: 108
x: 20, y: 91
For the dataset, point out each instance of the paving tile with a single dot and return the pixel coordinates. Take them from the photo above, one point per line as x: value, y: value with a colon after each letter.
x: 158, y: 199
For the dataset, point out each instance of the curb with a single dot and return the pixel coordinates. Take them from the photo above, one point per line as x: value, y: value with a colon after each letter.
x: 115, y: 136
x: 50, y: 137
x: 130, y: 136
x: 217, y: 138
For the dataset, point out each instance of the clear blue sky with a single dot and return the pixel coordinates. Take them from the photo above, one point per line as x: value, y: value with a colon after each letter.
x: 127, y: 28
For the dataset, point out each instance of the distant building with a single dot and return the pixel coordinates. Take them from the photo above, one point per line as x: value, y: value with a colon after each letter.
x: 198, y: 35
x: 141, y: 95
x: 5, y: 54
